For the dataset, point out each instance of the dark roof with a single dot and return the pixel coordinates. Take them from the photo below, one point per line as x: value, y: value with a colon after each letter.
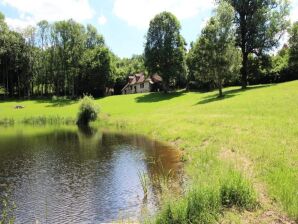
x: 137, y: 78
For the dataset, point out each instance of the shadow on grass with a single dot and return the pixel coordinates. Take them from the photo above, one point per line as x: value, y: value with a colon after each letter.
x: 56, y: 102
x: 60, y: 103
x: 229, y: 94
x: 157, y: 97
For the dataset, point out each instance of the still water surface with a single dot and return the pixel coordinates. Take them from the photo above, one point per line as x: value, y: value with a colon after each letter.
x: 77, y: 176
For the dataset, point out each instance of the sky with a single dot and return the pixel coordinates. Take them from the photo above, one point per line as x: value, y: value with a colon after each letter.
x: 123, y: 23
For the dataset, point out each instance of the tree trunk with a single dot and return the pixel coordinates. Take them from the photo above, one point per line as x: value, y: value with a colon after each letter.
x: 244, y: 70
x: 220, y: 89
x: 165, y: 87
x: 32, y: 88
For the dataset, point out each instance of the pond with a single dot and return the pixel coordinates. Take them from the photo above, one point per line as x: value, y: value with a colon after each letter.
x: 75, y: 176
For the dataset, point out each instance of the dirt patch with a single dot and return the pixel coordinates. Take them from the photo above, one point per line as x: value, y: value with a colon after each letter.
x: 268, y: 211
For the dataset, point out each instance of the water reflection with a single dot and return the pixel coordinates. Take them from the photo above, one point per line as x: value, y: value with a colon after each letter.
x: 83, y: 176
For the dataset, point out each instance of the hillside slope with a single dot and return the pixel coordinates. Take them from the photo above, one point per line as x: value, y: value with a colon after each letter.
x: 254, y: 131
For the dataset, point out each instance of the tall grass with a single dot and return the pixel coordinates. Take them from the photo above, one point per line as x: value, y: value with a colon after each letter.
x: 164, y: 175
x: 236, y: 191
x: 43, y: 120
x: 7, y: 122
x: 144, y: 180
x: 205, y: 204
x: 39, y: 121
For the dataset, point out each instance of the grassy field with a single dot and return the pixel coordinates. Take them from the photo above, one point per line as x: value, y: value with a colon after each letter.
x: 253, y: 132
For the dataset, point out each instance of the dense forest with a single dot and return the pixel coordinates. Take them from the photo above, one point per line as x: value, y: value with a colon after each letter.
x: 63, y: 59
x: 66, y: 58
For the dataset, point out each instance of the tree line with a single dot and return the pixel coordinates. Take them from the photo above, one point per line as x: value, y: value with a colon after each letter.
x: 236, y: 46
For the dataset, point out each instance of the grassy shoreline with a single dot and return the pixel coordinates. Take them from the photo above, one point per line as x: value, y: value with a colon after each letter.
x: 253, y: 132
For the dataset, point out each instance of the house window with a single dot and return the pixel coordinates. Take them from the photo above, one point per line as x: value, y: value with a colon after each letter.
x: 130, y: 87
x: 142, y: 85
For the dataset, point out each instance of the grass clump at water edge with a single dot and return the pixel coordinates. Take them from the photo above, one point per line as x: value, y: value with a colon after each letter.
x: 236, y: 191
x: 205, y: 204
x: 144, y: 180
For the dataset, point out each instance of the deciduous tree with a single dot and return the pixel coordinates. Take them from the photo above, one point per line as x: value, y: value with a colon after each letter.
x: 260, y: 25
x: 215, y: 56
x: 165, y: 49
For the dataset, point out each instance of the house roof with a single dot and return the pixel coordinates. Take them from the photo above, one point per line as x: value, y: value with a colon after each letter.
x: 137, y: 78
x: 140, y: 78
x: 156, y: 78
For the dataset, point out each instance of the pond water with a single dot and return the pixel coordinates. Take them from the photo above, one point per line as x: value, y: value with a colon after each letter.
x: 75, y: 176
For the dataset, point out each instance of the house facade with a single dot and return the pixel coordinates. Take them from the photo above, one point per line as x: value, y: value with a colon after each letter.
x: 138, y: 83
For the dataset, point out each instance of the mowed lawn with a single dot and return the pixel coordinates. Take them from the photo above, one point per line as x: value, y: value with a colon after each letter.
x: 254, y: 131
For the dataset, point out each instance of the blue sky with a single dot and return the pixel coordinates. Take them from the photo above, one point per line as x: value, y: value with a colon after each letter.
x: 123, y: 23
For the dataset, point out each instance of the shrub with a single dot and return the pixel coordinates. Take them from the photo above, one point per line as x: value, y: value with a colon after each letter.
x: 237, y: 191
x: 88, y: 111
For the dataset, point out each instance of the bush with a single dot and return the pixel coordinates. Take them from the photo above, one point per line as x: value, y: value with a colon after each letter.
x: 237, y: 191
x: 88, y: 111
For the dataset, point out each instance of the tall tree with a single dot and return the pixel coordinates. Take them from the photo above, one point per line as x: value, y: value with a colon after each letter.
x: 215, y: 57
x: 69, y: 43
x: 165, y: 48
x: 260, y: 25
x: 42, y: 76
x: 3, y: 51
x: 95, y: 64
x: 293, y: 50
x: 48, y: 59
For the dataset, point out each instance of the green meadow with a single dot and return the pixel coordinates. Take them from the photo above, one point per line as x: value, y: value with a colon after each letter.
x: 249, y: 135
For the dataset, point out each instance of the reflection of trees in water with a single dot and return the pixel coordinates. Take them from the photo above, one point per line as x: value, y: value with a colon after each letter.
x: 63, y: 162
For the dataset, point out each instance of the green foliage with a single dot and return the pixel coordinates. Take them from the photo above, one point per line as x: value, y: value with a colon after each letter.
x: 122, y: 68
x: 259, y: 27
x: 293, y: 51
x: 280, y: 62
x: 96, y: 67
x: 88, y: 111
x: 237, y: 192
x: 165, y: 49
x: 214, y: 56
x: 260, y: 69
x: 2, y: 90
x: 63, y: 58
x: 15, y: 61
